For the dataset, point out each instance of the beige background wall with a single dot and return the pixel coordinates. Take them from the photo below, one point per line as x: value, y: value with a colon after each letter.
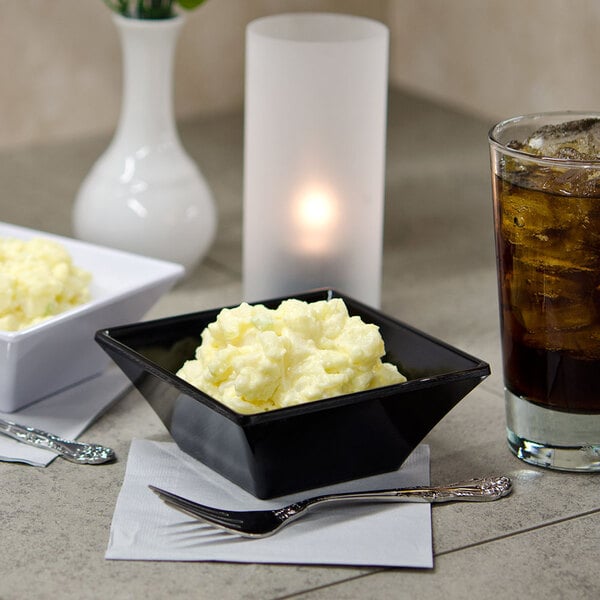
x: 60, y: 73
x: 498, y: 58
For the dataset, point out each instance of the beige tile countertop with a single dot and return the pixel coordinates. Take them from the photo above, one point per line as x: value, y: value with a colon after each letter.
x: 439, y: 275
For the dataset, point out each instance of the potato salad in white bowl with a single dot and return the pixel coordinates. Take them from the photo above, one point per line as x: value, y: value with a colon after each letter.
x: 55, y: 293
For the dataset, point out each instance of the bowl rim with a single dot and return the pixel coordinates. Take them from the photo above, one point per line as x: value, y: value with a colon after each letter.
x: 480, y: 368
x: 170, y: 271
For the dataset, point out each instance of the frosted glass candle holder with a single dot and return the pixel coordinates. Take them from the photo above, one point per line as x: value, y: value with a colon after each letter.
x: 314, y: 155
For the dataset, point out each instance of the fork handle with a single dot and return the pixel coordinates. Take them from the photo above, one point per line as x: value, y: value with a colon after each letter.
x: 483, y: 489
x: 78, y: 452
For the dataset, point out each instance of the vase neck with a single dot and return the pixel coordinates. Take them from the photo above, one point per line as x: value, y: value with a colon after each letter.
x: 147, y: 115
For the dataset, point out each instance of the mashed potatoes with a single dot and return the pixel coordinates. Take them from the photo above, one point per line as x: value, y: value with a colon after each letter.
x: 37, y: 280
x: 255, y: 359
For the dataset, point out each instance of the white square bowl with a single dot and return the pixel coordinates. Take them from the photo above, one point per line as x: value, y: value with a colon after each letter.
x: 45, y: 358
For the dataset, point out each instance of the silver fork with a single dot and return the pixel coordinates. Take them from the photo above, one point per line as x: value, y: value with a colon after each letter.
x: 262, y: 523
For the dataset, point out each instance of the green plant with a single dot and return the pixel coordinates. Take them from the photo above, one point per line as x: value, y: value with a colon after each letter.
x: 150, y: 9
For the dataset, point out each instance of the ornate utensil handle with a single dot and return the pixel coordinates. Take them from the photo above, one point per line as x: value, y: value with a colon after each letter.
x: 483, y: 489
x: 78, y: 452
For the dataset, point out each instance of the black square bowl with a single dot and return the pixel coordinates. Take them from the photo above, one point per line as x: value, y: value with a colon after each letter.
x: 300, y: 447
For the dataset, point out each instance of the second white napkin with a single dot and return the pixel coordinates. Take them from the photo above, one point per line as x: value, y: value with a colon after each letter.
x: 66, y: 414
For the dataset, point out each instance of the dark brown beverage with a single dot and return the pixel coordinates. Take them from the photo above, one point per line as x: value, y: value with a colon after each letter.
x: 546, y: 187
x: 548, y: 248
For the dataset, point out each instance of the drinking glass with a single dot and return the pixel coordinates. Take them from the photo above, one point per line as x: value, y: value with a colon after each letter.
x: 546, y: 192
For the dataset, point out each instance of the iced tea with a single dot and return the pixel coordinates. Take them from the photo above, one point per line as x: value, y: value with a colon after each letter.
x: 546, y: 187
x: 549, y: 262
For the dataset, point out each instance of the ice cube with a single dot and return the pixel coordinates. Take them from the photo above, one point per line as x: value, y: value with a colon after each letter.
x: 572, y: 140
x: 555, y: 229
x: 551, y: 297
x: 583, y: 343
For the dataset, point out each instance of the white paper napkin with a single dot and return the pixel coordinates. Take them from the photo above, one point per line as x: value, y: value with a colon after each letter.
x: 144, y: 528
x: 66, y: 414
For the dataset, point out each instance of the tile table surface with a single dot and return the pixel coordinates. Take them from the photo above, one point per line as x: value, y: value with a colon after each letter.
x: 439, y: 275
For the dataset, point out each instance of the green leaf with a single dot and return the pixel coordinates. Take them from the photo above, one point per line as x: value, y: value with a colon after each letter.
x: 150, y: 9
x: 190, y: 4
x: 118, y: 6
x: 154, y: 9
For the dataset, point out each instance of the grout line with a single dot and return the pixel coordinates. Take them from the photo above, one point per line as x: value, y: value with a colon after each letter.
x: 329, y: 585
x: 436, y: 555
x: 520, y: 531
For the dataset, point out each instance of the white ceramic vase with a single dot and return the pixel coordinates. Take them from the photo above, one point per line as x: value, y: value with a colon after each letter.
x: 145, y: 194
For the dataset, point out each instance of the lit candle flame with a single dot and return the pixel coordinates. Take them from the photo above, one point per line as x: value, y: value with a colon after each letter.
x: 316, y: 211
x: 315, y: 217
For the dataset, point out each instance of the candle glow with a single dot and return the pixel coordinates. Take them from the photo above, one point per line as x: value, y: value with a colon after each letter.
x: 315, y: 217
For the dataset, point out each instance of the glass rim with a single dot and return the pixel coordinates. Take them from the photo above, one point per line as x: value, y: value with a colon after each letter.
x: 541, y: 160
